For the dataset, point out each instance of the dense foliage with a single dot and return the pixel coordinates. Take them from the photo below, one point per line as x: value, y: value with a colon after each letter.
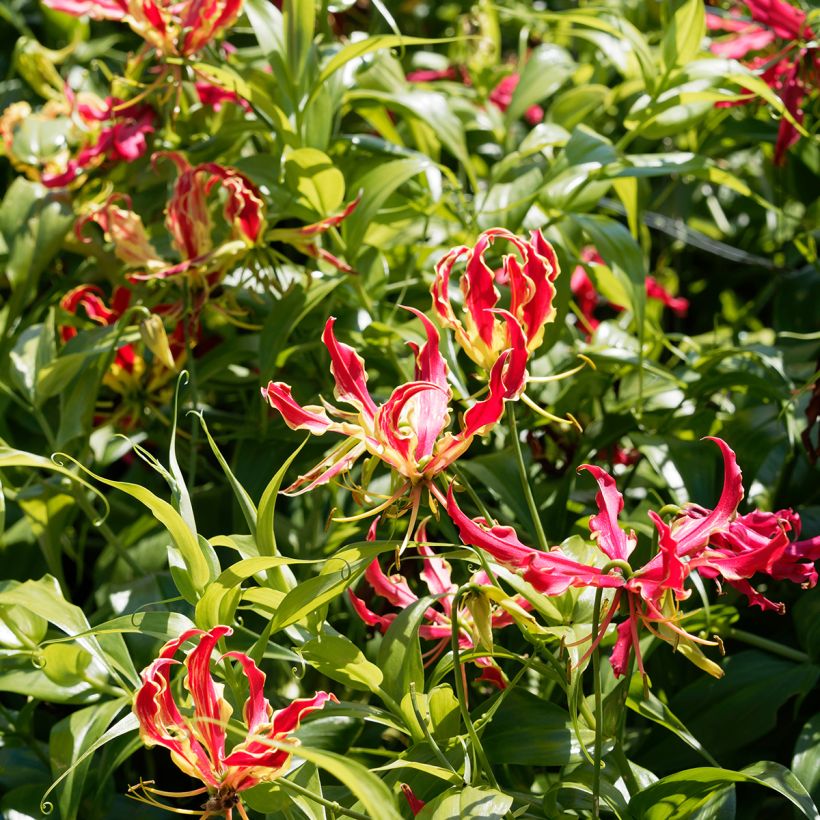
x: 497, y: 269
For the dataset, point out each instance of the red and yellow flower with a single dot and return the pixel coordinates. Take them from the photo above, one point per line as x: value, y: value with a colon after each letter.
x: 408, y: 432
x: 484, y: 330
x: 196, y: 732
x: 174, y: 29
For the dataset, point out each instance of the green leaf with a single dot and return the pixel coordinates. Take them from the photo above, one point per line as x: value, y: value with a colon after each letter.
x: 806, y: 760
x: 373, y: 795
x: 33, y: 224
x: 341, y: 660
x: 319, y: 183
x: 128, y: 723
x: 623, y: 255
x: 679, y: 796
x: 45, y: 599
x: 684, y: 33
x: 70, y: 741
x: 530, y: 731
x: 400, y: 652
x: 300, y: 21
x: 549, y: 66
x: 649, y: 706
x: 199, y: 561
x: 339, y: 572
x: 466, y: 803
x: 353, y: 51
x: 267, y: 24
x: 240, y: 493
x: 376, y: 186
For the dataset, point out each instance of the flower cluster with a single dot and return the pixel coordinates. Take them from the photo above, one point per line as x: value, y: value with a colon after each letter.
x: 716, y: 543
x: 196, y: 733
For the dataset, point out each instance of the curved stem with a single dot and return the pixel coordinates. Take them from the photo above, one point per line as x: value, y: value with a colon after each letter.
x: 525, y: 484
x: 599, y: 710
x: 768, y: 646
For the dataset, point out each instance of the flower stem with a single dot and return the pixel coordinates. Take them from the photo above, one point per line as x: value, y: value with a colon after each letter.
x: 769, y: 646
x: 599, y: 709
x: 525, y: 484
x: 337, y: 808
x: 462, y: 695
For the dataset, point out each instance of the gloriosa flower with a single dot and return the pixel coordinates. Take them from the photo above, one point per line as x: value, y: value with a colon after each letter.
x: 85, y: 131
x: 173, y: 29
x: 196, y: 733
x: 407, y: 432
x: 709, y: 541
x: 780, y: 38
x: 206, y: 245
x: 486, y: 330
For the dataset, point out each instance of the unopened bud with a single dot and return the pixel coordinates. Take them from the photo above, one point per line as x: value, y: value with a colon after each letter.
x: 152, y: 331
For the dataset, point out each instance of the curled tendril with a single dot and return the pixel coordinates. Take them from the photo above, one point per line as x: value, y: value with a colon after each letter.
x: 299, y: 673
x: 46, y: 807
x: 239, y: 620
x: 38, y: 660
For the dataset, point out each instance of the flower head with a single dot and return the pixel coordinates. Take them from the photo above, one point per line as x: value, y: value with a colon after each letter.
x: 208, y: 231
x: 136, y: 380
x: 485, y: 330
x: 196, y: 733
x: 173, y: 29
x: 408, y: 431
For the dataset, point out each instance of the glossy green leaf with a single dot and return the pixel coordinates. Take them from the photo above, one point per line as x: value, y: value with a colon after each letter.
x: 678, y: 796
x: 471, y: 803
x: 400, y: 652
x: 341, y: 660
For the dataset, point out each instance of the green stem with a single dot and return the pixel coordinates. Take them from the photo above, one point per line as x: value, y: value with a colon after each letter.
x: 462, y: 696
x: 599, y: 709
x: 289, y: 785
x: 769, y: 646
x: 525, y: 484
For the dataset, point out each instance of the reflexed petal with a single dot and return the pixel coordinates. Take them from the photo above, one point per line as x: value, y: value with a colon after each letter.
x: 611, y: 539
x: 692, y: 534
x: 210, y: 708
x: 295, y: 416
x: 257, y: 710
x: 348, y: 370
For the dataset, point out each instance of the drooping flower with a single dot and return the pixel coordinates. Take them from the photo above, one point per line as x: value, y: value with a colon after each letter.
x: 436, y: 575
x: 588, y: 299
x: 173, y: 29
x: 775, y: 42
x: 214, y: 216
x: 196, y: 732
x: 484, y: 330
x: 408, y: 431
x: 699, y: 539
